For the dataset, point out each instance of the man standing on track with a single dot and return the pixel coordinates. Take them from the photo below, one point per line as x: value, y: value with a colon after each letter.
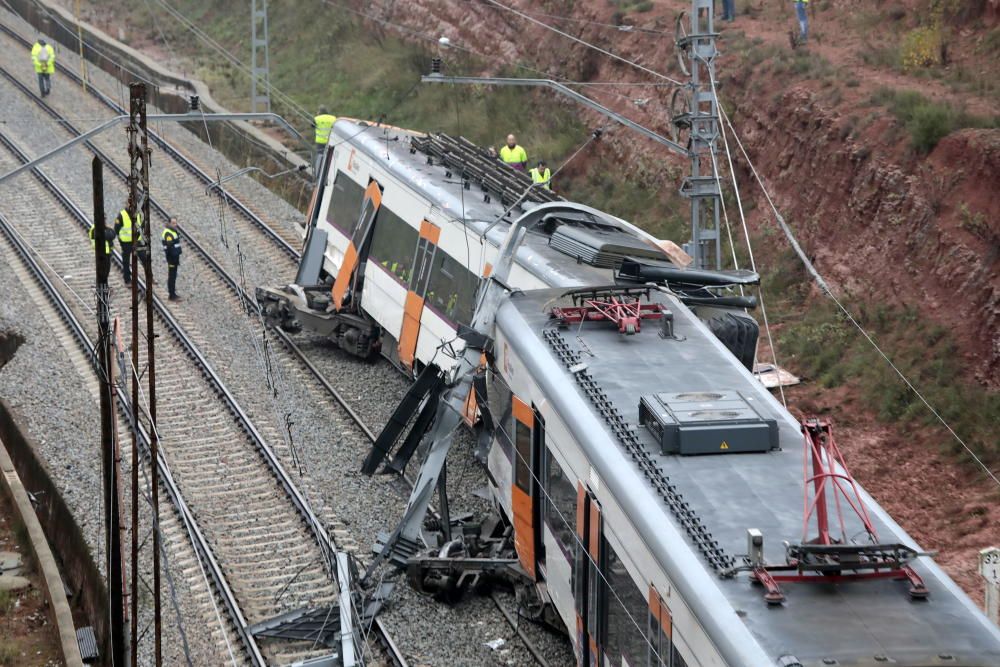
x: 171, y: 240
x: 127, y: 237
x: 43, y: 57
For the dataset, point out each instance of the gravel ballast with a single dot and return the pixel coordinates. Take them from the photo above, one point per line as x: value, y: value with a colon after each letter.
x: 325, y: 445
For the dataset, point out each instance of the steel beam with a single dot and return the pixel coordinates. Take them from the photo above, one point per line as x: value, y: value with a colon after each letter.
x: 168, y: 117
x: 568, y: 92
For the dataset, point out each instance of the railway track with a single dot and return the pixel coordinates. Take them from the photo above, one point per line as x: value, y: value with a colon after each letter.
x: 283, y: 249
x: 217, y: 466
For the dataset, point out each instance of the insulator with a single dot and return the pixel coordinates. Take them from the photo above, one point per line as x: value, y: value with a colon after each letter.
x: 194, y: 102
x: 435, y: 65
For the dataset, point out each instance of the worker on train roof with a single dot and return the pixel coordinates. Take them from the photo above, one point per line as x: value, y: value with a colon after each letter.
x: 541, y: 175
x: 513, y: 155
x: 324, y: 123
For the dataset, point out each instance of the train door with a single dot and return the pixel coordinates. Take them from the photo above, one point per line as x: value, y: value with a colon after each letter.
x: 661, y: 632
x: 423, y: 260
x: 529, y: 441
x: 590, y: 591
x: 357, y: 247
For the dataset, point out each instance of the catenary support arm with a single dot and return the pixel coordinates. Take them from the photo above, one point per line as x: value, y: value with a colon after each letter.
x: 169, y: 117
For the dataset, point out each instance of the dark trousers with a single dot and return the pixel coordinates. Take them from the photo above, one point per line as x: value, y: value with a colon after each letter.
x: 728, y: 10
x: 127, y: 261
x: 172, y: 280
x: 44, y: 84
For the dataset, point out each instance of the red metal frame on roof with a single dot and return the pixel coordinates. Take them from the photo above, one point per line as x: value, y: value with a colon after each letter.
x: 625, y: 310
x: 825, y: 559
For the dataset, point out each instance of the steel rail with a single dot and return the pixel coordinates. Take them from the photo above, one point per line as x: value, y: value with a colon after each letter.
x: 215, y: 380
x: 528, y: 644
x: 198, y: 541
x: 301, y: 504
x: 322, y: 536
x: 184, y: 161
x: 181, y: 159
x: 385, y: 638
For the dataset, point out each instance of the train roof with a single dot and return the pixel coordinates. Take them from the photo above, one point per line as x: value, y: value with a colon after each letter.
x: 392, y: 149
x: 854, y: 623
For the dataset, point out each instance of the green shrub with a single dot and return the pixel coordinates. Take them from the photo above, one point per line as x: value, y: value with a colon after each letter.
x: 817, y: 342
x: 928, y: 125
x: 8, y: 653
x: 927, y: 121
x: 921, y: 48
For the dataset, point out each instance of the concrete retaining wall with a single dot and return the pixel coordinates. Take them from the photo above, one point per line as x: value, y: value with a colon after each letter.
x: 88, y: 593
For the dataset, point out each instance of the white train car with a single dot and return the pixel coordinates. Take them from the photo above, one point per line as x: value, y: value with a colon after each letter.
x: 649, y: 550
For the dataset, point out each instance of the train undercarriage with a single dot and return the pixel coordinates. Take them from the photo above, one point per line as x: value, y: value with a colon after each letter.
x: 294, y: 308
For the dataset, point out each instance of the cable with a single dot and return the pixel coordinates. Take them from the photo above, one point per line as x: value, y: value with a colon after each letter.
x: 610, y: 54
x: 236, y: 62
x: 746, y: 233
x: 428, y: 38
x: 622, y: 27
x: 826, y: 289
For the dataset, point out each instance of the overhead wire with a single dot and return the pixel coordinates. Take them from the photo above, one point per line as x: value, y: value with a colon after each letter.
x: 621, y: 27
x: 283, y: 97
x: 746, y: 232
x: 825, y: 288
x: 610, y: 54
x: 479, y: 54
x: 785, y: 229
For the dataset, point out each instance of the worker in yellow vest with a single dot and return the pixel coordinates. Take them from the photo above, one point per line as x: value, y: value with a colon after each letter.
x: 108, y: 234
x: 513, y: 155
x: 541, y: 175
x: 43, y: 57
x: 127, y: 237
x: 324, y: 126
x: 171, y: 241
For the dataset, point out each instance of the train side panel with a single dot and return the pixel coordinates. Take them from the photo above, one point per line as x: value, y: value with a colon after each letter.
x: 627, y: 562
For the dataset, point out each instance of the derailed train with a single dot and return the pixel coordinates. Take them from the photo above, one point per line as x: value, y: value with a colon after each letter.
x: 654, y: 485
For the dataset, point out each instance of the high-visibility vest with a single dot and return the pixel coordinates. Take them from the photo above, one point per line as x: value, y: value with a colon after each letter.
x: 43, y: 66
x: 515, y: 155
x: 93, y: 244
x: 324, y: 124
x: 125, y: 233
x: 541, y: 177
x: 170, y: 238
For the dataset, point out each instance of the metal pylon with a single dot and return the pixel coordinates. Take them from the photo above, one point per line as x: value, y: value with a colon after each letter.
x: 700, y: 121
x: 260, y: 62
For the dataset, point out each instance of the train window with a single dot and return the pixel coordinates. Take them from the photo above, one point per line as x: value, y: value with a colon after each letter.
x: 596, y: 616
x: 500, y: 398
x: 660, y: 632
x: 452, y: 288
x: 627, y: 608
x: 522, y: 458
x: 345, y: 203
x: 560, y: 509
x: 392, y: 246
